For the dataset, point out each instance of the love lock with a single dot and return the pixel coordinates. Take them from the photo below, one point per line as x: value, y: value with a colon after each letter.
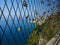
x: 24, y: 3
x: 42, y: 1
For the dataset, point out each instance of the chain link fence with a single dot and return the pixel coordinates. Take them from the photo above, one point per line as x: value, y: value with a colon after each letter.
x: 14, y: 20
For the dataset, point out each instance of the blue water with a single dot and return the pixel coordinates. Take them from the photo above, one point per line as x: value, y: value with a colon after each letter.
x: 15, y: 37
x: 9, y: 34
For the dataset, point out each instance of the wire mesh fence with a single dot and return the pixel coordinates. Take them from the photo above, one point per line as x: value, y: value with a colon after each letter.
x: 14, y: 20
x: 14, y: 16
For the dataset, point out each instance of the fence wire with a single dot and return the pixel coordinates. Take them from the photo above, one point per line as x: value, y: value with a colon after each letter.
x: 14, y: 20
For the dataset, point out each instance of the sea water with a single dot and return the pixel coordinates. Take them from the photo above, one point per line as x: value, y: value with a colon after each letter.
x: 10, y: 34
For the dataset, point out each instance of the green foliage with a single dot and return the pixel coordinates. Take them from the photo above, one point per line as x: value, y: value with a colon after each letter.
x: 34, y: 39
x: 49, y: 29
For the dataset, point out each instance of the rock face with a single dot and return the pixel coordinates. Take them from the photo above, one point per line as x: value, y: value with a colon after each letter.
x: 41, y: 40
x: 50, y: 28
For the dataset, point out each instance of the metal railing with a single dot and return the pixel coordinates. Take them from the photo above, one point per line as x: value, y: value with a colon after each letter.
x: 57, y: 40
